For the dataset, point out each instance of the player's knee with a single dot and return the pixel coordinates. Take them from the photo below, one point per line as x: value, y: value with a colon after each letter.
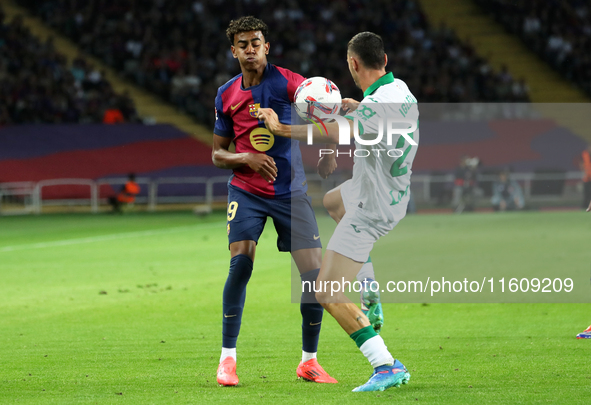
x: 333, y: 205
x: 315, y: 258
x: 327, y: 201
x: 244, y: 247
x: 323, y: 297
x: 326, y: 297
x: 324, y: 305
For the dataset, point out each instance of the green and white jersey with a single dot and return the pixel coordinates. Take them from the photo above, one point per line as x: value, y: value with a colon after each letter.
x: 381, y: 172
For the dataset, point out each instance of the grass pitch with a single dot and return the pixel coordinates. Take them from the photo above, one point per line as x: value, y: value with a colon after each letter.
x: 126, y: 309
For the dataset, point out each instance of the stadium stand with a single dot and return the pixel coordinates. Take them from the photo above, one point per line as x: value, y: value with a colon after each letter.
x: 532, y: 145
x: 178, y: 50
x: 37, y: 85
x: 558, y: 31
x: 173, y: 47
x: 96, y: 151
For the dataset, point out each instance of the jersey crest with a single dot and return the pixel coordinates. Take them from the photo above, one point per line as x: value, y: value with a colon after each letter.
x: 253, y: 109
x: 237, y: 118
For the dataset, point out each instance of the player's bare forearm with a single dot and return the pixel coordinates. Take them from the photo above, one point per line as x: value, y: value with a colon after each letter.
x: 321, y: 132
x: 261, y: 163
x: 331, y: 146
x: 328, y: 162
x: 225, y: 159
x: 222, y: 157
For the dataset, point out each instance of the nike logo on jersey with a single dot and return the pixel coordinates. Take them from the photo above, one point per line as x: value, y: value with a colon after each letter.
x: 316, y: 237
x: 229, y: 316
x: 233, y: 107
x: 314, y: 324
x: 355, y: 228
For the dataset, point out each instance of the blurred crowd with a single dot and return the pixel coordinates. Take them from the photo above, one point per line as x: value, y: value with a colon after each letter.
x: 37, y: 85
x: 178, y: 48
x: 558, y: 30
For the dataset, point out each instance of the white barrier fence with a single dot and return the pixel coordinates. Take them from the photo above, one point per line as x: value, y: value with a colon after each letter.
x: 422, y: 184
x: 426, y: 189
x: 27, y: 197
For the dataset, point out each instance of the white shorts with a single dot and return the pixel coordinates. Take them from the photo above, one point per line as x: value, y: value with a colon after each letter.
x: 356, y: 234
x: 348, y: 194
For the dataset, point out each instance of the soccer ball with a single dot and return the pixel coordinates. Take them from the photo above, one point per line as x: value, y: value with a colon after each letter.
x: 316, y: 98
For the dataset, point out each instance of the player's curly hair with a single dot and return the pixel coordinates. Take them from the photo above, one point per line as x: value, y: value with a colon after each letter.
x: 245, y: 24
x: 369, y: 47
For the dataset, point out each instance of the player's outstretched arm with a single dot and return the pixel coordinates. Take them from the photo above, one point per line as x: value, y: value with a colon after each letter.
x: 326, y: 132
x: 327, y: 163
x: 259, y: 162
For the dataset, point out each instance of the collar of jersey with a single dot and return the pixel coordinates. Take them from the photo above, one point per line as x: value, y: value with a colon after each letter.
x: 265, y: 72
x: 386, y: 79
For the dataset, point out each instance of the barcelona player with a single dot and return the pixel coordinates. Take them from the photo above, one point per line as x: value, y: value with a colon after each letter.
x: 268, y: 181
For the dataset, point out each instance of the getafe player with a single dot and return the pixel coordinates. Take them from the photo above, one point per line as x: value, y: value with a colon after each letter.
x: 263, y: 185
x: 373, y: 201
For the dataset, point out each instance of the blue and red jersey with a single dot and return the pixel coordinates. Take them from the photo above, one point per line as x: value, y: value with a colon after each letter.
x: 236, y: 109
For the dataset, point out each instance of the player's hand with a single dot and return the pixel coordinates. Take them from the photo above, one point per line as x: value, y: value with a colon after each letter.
x: 270, y: 118
x: 262, y: 164
x: 349, y: 104
x: 326, y: 165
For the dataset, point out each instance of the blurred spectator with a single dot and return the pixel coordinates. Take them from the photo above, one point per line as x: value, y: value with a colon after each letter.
x: 38, y: 86
x: 113, y: 115
x: 125, y: 197
x: 586, y: 169
x: 507, y: 194
x: 559, y: 31
x: 127, y: 107
x: 465, y: 184
x: 178, y: 48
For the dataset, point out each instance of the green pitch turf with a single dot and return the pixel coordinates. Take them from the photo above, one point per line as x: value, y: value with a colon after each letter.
x: 103, y: 309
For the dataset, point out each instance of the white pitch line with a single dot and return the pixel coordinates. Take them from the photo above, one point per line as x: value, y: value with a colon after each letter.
x: 67, y: 242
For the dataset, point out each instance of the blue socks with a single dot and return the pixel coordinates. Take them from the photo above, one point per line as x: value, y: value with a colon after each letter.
x: 233, y: 298
x: 311, y: 313
x: 235, y: 294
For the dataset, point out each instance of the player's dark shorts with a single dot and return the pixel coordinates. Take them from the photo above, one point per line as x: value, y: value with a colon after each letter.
x: 293, y: 218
